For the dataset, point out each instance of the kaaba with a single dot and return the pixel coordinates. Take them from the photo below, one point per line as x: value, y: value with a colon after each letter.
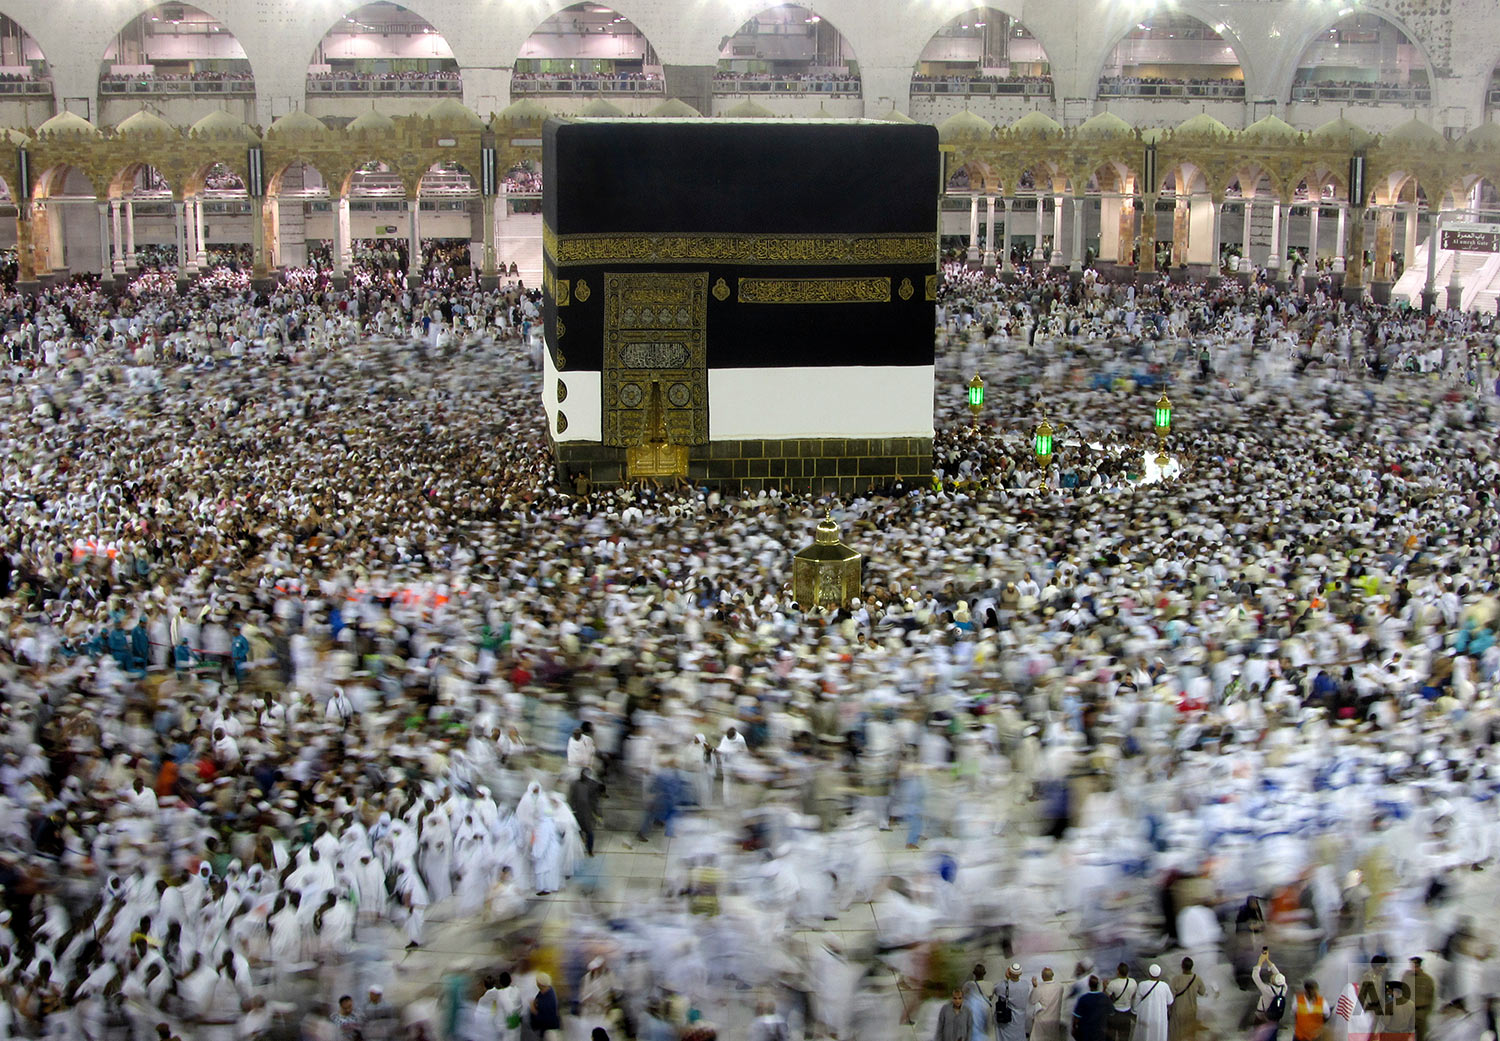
x: 740, y: 303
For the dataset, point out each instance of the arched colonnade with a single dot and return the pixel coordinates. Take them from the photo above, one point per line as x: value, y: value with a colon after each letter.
x: 70, y: 164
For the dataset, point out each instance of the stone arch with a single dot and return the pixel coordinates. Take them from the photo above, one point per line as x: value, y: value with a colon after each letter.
x: 1321, y: 175
x: 215, y: 32
x: 1185, y: 178
x: 984, y: 36
x: 589, y: 17
x: 1488, y: 102
x: 1312, y: 38
x: 1171, y: 22
x: 1395, y: 186
x: 124, y: 181
x: 1488, y: 185
x: 1110, y: 176
x: 1042, y: 176
x: 829, y: 43
x: 21, y: 54
x: 1254, y: 174
x: 275, y: 180
x: 428, y: 190
x: 196, y: 181
x: 981, y: 177
x: 385, y: 12
x: 372, y: 163
x: 53, y: 180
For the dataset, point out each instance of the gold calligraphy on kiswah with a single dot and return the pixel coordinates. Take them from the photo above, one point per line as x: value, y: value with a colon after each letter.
x: 815, y: 290
x: 912, y: 248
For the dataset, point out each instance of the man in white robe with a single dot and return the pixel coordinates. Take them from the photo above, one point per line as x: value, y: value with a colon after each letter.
x: 1016, y: 992
x: 732, y: 748
x: 1152, y: 998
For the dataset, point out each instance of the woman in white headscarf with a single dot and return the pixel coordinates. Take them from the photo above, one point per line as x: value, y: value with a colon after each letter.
x: 531, y: 808
x: 546, y: 849
x: 569, y: 834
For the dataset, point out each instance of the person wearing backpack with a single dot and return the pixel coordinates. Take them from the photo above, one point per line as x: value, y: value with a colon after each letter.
x: 1271, y: 1009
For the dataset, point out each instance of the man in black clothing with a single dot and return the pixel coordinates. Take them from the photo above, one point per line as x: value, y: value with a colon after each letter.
x: 583, y: 798
x: 1091, y: 1014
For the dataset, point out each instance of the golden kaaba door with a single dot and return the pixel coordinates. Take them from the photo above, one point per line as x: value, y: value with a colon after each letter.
x: 655, y: 358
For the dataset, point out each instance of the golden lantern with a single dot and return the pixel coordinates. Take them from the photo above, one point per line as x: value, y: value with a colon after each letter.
x: 826, y: 573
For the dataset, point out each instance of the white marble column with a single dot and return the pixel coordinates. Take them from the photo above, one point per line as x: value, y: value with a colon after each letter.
x: 106, y: 269
x: 973, y: 227
x: 1075, y: 262
x: 1312, y: 236
x: 1216, y: 208
x: 1005, y: 264
x: 1338, y: 253
x: 1429, y: 291
x: 1056, y: 259
x: 130, y: 257
x: 202, y: 233
x: 1036, y: 247
x: 488, y: 217
x: 1409, y: 246
x: 989, y: 233
x: 116, y: 241
x: 340, y: 207
x: 346, y: 232
x: 414, y: 240
x: 1455, y: 289
x: 191, y: 235
x: 1249, y: 202
x: 182, y: 254
x: 1274, y: 263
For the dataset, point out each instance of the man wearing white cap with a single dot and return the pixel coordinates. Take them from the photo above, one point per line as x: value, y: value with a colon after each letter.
x: 378, y: 1015
x: 1016, y: 994
x: 1152, y: 998
x: 1271, y: 1008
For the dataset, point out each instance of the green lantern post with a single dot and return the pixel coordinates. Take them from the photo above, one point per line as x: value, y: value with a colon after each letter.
x: 1162, y: 423
x: 976, y: 396
x: 1042, y: 443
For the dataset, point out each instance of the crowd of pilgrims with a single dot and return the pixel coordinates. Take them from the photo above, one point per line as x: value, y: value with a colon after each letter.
x: 306, y: 645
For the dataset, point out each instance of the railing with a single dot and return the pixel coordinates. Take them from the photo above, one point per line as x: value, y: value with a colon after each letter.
x: 394, y: 85
x: 971, y: 88
x: 743, y: 85
x: 1222, y: 91
x: 586, y: 85
x: 1371, y: 95
x: 182, y: 88
x: 33, y: 87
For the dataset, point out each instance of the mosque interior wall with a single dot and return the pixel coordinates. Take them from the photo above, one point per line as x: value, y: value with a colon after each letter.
x: 885, y: 38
